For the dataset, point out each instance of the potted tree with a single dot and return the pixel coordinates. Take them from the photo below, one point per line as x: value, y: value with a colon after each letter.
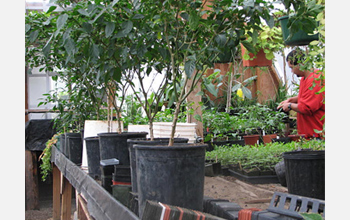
x: 70, y: 42
x: 184, y: 40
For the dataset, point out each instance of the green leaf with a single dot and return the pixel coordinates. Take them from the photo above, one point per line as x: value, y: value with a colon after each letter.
x: 190, y: 65
x: 69, y: 46
x: 138, y: 16
x: 194, y: 20
x: 95, y: 51
x: 61, y: 21
x: 211, y: 88
x: 33, y: 36
x: 255, y: 36
x: 27, y: 27
x: 247, y: 93
x: 46, y: 50
x: 51, y: 9
x: 220, y: 39
x: 127, y: 27
x: 269, y: 55
x: 87, y: 27
x: 83, y: 12
x: 236, y: 87
x: 248, y: 46
x: 109, y: 29
x: 315, y: 42
x: 311, y: 216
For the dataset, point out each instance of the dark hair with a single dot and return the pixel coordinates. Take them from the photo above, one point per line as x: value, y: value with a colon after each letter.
x: 295, y: 57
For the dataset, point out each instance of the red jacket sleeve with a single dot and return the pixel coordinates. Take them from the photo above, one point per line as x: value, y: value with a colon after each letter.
x: 309, y: 100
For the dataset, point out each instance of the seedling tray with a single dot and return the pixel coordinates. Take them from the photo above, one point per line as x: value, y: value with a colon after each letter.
x: 254, y: 179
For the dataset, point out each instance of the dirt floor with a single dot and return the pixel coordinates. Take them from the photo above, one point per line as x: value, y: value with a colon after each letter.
x: 219, y: 187
x: 245, y: 194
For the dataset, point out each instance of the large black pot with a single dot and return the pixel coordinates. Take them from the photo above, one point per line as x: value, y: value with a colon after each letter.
x: 305, y: 173
x: 74, y: 147
x: 145, y: 141
x: 93, y: 156
x: 114, y: 145
x: 172, y: 175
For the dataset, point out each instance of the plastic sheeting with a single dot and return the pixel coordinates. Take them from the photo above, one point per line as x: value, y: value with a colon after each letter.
x: 38, y: 132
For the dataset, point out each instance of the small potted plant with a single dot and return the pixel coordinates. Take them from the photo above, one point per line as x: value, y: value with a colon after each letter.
x: 259, y: 47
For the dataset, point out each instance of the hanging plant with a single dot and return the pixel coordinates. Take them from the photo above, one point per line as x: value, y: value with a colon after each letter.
x: 45, y: 157
x: 267, y: 39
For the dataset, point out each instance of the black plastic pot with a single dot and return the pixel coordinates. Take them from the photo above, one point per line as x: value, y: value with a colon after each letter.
x: 145, y: 141
x: 114, y: 145
x: 172, y: 175
x: 305, y: 173
x: 93, y: 156
x: 74, y: 146
x: 107, y: 168
x: 281, y: 173
x: 62, y: 143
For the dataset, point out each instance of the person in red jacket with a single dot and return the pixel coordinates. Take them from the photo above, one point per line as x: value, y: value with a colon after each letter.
x: 309, y: 104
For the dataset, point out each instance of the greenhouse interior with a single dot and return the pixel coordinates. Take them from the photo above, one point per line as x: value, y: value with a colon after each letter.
x: 223, y: 101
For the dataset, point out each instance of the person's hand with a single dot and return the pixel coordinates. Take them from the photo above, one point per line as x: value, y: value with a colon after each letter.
x: 284, y: 105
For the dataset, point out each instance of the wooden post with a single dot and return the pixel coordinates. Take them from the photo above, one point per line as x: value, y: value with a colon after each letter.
x: 66, y: 200
x: 31, y: 183
x: 56, y: 188
x: 196, y: 107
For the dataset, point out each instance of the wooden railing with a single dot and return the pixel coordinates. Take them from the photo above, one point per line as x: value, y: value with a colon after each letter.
x: 93, y: 201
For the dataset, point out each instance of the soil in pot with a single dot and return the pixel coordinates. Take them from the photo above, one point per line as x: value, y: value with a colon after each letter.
x: 145, y: 141
x: 305, y: 173
x: 171, y: 175
x: 114, y: 145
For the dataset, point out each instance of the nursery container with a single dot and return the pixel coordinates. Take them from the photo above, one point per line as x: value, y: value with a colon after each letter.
x: 305, y: 173
x: 62, y: 147
x: 65, y: 149
x: 300, y: 38
x: 183, y: 130
x: 260, y: 59
x: 251, y: 139
x: 268, y: 138
x: 93, y: 127
x: 93, y: 156
x: 172, y: 175
x: 144, y: 141
x: 74, y: 146
x: 107, y: 168
x: 295, y: 137
x: 114, y: 145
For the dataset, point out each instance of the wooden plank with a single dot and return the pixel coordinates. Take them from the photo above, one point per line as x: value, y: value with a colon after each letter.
x: 31, y: 181
x: 196, y: 107
x: 83, y: 213
x: 56, y: 188
x: 66, y: 200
